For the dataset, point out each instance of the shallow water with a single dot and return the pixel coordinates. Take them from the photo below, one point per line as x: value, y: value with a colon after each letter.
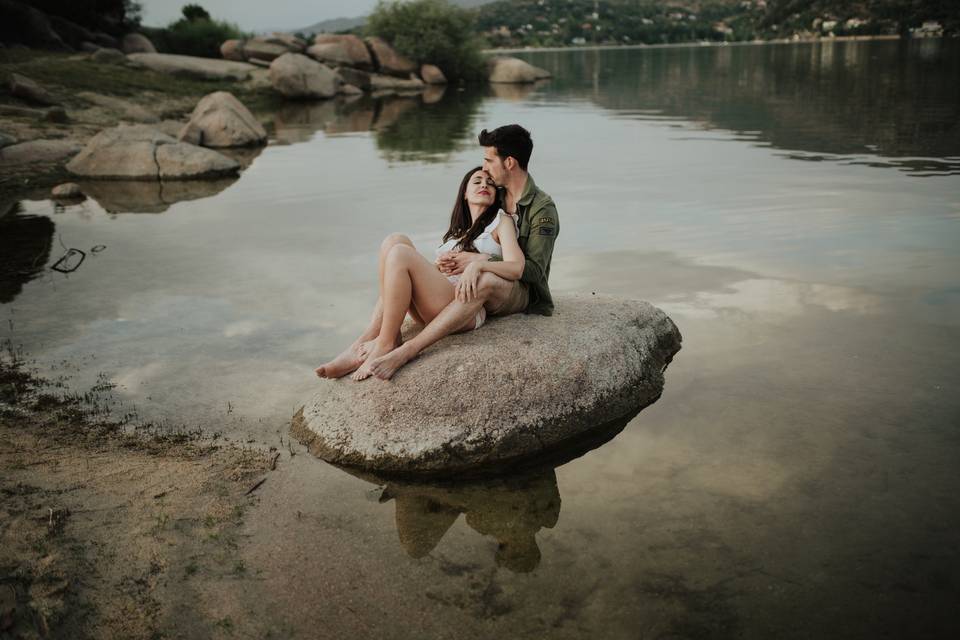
x: 796, y: 210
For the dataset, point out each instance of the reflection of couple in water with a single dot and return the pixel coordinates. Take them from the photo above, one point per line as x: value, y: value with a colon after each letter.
x: 495, y: 260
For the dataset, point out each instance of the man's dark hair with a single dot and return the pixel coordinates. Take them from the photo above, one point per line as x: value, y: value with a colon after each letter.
x: 509, y: 140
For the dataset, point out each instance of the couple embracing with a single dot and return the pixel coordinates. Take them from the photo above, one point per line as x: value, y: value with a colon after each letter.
x: 494, y: 260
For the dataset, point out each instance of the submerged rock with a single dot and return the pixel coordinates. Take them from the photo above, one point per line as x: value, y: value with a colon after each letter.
x: 220, y: 120
x: 518, y: 389
x: 514, y: 70
x: 140, y: 152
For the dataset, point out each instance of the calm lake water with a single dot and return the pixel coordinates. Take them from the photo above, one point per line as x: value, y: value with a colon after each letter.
x: 794, y: 208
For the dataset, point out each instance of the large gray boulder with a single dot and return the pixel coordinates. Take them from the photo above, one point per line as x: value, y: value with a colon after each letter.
x: 514, y: 71
x: 387, y: 60
x: 260, y: 49
x: 220, y: 120
x: 294, y: 75
x: 233, y: 50
x: 192, y: 66
x: 350, y: 48
x: 140, y: 152
x: 521, y: 387
x: 137, y: 43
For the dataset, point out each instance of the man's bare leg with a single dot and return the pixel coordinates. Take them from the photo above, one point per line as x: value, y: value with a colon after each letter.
x: 457, y: 316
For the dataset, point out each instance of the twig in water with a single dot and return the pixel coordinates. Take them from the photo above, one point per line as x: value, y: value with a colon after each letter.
x: 255, y: 486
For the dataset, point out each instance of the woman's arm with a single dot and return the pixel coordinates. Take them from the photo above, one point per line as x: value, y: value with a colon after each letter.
x: 511, y: 268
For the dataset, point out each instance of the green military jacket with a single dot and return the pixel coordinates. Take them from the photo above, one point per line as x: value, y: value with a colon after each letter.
x: 539, y: 228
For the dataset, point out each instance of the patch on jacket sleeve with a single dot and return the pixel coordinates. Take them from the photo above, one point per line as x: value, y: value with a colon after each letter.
x: 546, y: 231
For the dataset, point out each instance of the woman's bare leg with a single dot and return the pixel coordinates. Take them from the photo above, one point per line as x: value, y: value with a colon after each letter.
x: 354, y: 355
x: 409, y: 282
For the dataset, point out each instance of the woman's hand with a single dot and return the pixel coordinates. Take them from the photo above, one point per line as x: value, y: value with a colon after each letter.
x: 452, y: 263
x: 467, y: 287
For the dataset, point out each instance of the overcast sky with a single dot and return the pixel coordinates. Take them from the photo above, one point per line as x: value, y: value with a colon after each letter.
x: 257, y: 15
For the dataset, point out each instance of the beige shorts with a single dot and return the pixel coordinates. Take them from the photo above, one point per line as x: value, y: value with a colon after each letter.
x: 516, y: 302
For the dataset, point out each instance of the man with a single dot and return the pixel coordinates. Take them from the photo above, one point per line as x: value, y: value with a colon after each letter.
x: 506, y: 155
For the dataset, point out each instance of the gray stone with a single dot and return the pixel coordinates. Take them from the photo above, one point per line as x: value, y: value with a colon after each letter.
x: 67, y: 191
x: 137, y: 43
x: 192, y: 66
x: 27, y: 89
x: 350, y: 90
x: 294, y: 75
x: 356, y: 77
x: 25, y: 25
x: 124, y: 109
x: 263, y: 50
x: 140, y: 152
x: 107, y: 55
x: 39, y: 151
x: 232, y: 50
x: 333, y: 53
x: 56, y: 114
x: 431, y: 74
x: 89, y: 47
x: 220, y: 120
x: 520, y: 388
x: 387, y: 60
x: 6, y: 141
x: 357, y: 54
x: 380, y: 82
x: 514, y: 71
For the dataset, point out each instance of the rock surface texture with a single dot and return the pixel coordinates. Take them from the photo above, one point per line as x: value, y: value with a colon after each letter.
x: 220, y: 120
x: 25, y: 88
x: 137, y: 43
x: 432, y: 74
x: 519, y: 388
x: 356, y: 51
x: 39, y: 151
x: 514, y: 71
x: 205, y: 68
x: 140, y: 152
x: 387, y: 59
x: 294, y: 75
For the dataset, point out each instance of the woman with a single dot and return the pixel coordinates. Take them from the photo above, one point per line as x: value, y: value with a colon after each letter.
x: 411, y: 284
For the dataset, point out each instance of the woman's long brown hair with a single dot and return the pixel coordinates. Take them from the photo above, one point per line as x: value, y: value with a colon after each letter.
x: 462, y: 226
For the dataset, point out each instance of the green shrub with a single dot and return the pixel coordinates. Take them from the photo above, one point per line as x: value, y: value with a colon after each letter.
x: 198, y: 37
x: 430, y: 31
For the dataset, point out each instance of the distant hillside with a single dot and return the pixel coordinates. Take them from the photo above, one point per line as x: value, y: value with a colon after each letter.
x: 523, y: 23
x: 516, y: 23
x: 344, y: 24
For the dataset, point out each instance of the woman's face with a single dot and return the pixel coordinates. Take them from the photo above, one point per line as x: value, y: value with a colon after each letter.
x: 480, y: 189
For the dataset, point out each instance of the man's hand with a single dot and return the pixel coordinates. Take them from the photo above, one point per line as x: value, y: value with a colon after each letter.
x: 452, y: 263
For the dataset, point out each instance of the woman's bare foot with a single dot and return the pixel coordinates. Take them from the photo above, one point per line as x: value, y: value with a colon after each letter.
x: 364, y: 349
x: 376, y: 350
x: 385, y: 366
x: 341, y: 365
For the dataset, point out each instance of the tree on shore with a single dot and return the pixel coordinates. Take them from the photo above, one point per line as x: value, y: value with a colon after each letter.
x: 430, y: 31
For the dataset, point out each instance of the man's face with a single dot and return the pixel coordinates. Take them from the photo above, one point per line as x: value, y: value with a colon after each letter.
x: 493, y: 165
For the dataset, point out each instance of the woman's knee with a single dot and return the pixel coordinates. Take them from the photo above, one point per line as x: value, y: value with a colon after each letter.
x: 400, y: 254
x: 393, y: 240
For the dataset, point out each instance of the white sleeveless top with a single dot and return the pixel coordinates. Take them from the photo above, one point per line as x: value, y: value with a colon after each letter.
x: 485, y: 243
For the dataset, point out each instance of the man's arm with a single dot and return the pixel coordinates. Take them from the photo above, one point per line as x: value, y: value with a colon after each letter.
x: 544, y: 227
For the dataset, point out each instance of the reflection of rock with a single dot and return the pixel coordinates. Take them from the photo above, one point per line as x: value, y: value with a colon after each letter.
x: 294, y: 75
x: 25, y: 243
x: 391, y: 108
x: 506, y: 91
x: 379, y: 82
x: 511, y: 509
x: 485, y: 400
x: 299, y: 121
x: 434, y: 93
x: 137, y: 196
x: 220, y: 120
x: 514, y: 70
x: 139, y: 152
